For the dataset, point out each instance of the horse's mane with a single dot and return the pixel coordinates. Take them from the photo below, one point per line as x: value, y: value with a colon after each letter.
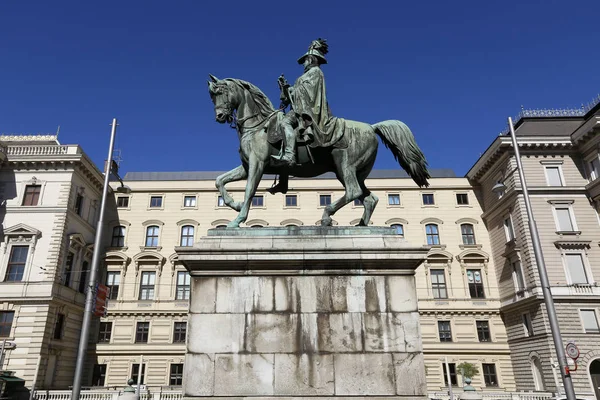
x: 265, y: 107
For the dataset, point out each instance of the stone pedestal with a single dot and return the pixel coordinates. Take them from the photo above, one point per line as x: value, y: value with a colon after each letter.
x: 298, y: 312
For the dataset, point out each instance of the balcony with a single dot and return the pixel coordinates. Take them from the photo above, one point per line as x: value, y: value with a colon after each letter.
x: 593, y: 188
x: 576, y: 290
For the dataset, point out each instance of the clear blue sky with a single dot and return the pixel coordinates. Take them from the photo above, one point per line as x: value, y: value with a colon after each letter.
x: 452, y: 70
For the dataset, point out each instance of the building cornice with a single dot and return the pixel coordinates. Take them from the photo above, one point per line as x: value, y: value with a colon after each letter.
x: 503, y: 144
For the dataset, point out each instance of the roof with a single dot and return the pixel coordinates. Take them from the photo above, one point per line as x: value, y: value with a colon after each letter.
x: 212, y: 175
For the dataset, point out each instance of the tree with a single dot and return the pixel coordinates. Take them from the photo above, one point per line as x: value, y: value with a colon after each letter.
x: 467, y: 370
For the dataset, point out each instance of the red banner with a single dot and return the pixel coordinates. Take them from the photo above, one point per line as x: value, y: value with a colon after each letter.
x: 101, y: 296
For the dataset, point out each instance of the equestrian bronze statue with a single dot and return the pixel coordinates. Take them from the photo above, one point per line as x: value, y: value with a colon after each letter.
x: 307, y: 141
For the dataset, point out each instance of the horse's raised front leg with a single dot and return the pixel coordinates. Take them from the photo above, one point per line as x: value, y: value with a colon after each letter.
x: 236, y: 174
x: 255, y: 171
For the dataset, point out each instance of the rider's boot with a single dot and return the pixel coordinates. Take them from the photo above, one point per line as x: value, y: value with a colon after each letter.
x: 281, y: 187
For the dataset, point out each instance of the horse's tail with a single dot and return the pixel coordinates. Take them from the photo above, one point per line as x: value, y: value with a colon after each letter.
x: 396, y: 136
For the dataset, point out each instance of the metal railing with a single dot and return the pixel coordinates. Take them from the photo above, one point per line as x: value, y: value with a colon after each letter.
x: 178, y: 395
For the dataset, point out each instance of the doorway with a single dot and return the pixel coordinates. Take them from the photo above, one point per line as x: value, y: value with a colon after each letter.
x: 595, y: 376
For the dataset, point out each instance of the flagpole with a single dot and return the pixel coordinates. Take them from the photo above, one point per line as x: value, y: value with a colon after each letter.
x: 91, y: 284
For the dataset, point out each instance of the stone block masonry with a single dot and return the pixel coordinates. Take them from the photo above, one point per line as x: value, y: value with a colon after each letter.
x: 286, y: 325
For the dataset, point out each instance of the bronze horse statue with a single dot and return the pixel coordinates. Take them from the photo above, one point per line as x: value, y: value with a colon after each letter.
x: 252, y: 114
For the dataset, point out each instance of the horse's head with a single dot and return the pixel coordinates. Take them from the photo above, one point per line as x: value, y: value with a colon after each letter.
x: 223, y: 98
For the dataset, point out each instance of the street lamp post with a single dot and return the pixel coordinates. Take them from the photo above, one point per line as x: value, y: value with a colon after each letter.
x: 541, y: 265
x: 91, y: 284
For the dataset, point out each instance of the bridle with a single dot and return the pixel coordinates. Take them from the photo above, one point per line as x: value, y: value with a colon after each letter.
x: 238, y: 124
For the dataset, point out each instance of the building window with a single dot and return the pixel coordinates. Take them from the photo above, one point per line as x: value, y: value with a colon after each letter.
x: 508, y: 229
x: 518, y: 279
x: 118, y: 237
x: 538, y: 376
x: 489, y: 374
x: 394, y: 199
x: 564, y: 220
x: 152, y: 236
x: 527, y: 325
x: 438, y: 284
x: 123, y: 201
x: 85, y: 266
x: 79, y: 204
x: 553, y: 176
x: 16, y: 263
x: 147, y: 285
x: 135, y: 370
x: 452, y: 368
x: 6, y: 320
x: 183, y: 286
x: 258, y: 201
x: 444, y: 331
x: 399, y: 229
x: 462, y: 199
x: 594, y: 168
x: 59, y: 326
x: 104, y: 332
x: 142, y: 330
x: 428, y: 199
x: 475, y: 284
x: 179, y: 331
x: 176, y: 376
x: 189, y: 201
x: 32, y: 195
x: 324, y: 200
x: 220, y: 201
x: 99, y: 375
x: 468, y: 234
x: 291, y: 200
x: 69, y: 269
x: 187, y: 236
x: 576, y: 273
x: 483, y: 331
x: 432, y: 233
x: 358, y: 203
x: 113, y: 279
x: 156, y: 201
x: 590, y: 321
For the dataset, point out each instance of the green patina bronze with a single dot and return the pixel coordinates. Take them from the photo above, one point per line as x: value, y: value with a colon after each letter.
x: 306, y: 141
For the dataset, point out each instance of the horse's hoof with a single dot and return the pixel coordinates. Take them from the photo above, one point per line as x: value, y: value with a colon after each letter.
x: 326, y: 221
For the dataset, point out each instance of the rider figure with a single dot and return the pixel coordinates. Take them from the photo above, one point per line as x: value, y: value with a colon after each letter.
x: 309, y: 114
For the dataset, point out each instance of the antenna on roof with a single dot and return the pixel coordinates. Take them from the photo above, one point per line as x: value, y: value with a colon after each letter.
x: 57, y: 131
x: 117, y: 156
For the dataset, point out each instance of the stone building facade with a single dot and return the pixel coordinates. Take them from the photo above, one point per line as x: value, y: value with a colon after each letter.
x: 560, y: 156
x: 478, y: 293
x: 457, y: 292
x: 49, y: 207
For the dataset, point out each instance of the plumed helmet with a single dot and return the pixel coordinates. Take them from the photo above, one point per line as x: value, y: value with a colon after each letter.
x: 317, y: 48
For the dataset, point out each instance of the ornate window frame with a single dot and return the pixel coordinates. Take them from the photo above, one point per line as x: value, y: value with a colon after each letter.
x: 19, y: 235
x: 291, y: 222
x: 146, y: 224
x: 554, y: 164
x: 439, y: 255
x: 480, y: 260
x: 33, y: 181
x: 186, y: 222
x: 580, y: 247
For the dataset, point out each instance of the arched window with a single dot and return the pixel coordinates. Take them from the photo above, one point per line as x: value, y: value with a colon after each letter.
x: 468, y: 234
x: 433, y: 234
x: 538, y: 377
x: 152, y: 236
x: 187, y: 236
x: 118, y: 236
x: 221, y: 226
x: 256, y: 226
x: 399, y: 229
